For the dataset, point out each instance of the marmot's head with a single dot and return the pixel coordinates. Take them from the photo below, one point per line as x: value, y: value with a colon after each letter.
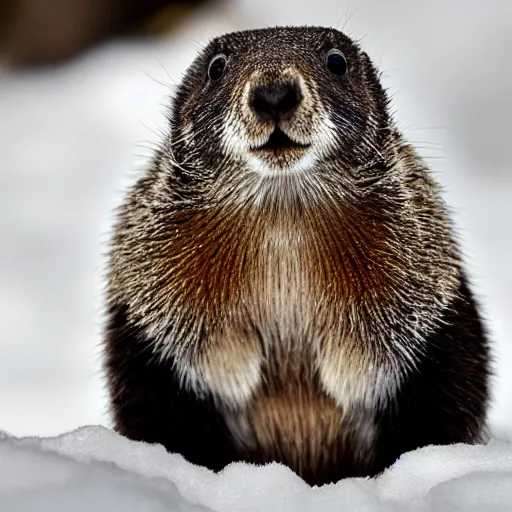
x: 277, y: 102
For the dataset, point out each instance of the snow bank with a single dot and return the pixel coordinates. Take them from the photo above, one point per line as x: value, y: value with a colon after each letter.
x: 94, y: 469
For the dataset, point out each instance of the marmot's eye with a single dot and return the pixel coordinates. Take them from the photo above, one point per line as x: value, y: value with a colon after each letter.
x: 217, y: 66
x: 336, y: 63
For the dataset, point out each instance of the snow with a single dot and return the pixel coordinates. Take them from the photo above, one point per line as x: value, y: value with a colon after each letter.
x: 93, y: 468
x: 72, y: 137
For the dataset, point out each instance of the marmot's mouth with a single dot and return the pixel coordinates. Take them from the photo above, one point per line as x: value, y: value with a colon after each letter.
x: 279, y: 141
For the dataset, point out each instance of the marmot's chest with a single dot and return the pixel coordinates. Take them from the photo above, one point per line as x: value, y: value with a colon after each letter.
x: 292, y: 297
x: 269, y: 329
x: 308, y: 407
x: 252, y: 291
x: 284, y: 354
x: 282, y: 294
x: 313, y: 270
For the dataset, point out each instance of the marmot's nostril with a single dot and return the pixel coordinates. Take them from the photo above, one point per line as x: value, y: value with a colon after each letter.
x: 276, y: 101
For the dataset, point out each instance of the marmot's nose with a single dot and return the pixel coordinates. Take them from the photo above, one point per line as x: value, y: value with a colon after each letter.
x: 276, y: 101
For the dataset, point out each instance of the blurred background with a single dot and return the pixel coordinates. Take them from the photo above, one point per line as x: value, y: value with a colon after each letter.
x: 84, y: 86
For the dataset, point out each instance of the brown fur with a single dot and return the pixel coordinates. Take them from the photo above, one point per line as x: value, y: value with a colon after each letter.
x: 291, y: 418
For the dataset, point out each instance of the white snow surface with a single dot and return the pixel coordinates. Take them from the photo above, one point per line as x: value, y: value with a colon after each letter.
x: 93, y: 468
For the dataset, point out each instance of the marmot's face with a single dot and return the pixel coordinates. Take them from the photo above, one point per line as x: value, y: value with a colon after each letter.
x: 279, y: 101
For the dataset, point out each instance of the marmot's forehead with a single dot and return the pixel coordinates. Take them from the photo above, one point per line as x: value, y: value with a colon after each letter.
x: 279, y: 39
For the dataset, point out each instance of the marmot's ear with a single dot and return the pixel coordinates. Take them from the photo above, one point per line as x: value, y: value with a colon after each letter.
x: 366, y: 61
x: 371, y: 73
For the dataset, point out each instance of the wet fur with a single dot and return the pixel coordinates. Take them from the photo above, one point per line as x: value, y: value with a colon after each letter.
x: 319, y: 317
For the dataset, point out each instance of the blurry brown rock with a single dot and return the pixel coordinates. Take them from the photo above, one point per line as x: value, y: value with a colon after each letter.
x: 47, y: 31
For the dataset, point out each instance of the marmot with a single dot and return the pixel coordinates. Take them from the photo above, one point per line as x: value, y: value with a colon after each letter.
x: 284, y: 282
